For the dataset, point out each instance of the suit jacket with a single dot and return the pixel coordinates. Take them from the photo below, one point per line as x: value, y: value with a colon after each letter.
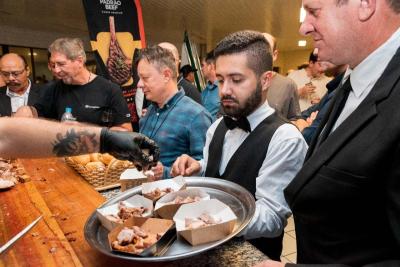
x: 190, y: 90
x: 346, y: 198
x: 5, y: 101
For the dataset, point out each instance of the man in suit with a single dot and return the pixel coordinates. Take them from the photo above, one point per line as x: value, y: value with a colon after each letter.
x: 18, y: 90
x: 346, y: 198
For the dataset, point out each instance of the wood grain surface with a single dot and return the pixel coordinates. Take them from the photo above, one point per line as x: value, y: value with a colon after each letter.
x: 66, y: 201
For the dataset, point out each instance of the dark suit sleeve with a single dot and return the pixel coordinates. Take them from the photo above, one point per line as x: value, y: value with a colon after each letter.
x: 393, y: 192
x: 389, y: 263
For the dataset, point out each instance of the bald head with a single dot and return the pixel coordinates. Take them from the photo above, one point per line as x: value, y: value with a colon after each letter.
x: 14, y: 72
x: 173, y: 50
x: 272, y: 43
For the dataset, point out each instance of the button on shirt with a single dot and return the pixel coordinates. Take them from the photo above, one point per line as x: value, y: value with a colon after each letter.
x: 285, y: 156
x: 18, y: 100
x: 366, y: 74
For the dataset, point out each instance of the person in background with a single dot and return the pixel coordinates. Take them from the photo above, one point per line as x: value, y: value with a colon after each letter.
x: 176, y: 122
x: 187, y: 72
x: 346, y: 198
x: 252, y: 146
x: 210, y: 94
x: 312, y: 117
x: 18, y: 90
x: 282, y: 94
x: 92, y: 98
x: 189, y: 89
x: 31, y: 138
x: 311, y: 82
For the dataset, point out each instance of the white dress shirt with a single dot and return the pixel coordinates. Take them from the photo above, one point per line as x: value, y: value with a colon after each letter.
x: 366, y: 74
x: 301, y: 78
x: 18, y: 100
x: 285, y: 156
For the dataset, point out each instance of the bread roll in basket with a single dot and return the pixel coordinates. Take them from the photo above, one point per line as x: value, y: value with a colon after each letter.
x: 100, y: 170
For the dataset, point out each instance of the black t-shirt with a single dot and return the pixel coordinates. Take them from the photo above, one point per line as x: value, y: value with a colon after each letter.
x: 90, y: 102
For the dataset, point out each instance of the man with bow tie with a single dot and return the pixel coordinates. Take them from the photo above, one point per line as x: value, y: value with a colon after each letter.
x: 251, y: 145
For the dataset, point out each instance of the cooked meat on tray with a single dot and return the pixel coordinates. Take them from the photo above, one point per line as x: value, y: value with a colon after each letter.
x: 134, y: 240
x: 203, y: 220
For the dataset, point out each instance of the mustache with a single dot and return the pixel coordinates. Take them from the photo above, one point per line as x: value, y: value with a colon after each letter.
x: 228, y: 97
x: 13, y: 84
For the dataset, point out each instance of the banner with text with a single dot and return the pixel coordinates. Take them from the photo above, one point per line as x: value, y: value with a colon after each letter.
x: 116, y: 30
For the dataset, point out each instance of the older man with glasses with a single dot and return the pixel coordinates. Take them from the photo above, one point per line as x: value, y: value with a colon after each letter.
x: 18, y: 90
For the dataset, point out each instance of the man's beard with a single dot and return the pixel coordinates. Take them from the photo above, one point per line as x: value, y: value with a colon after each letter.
x: 251, y: 104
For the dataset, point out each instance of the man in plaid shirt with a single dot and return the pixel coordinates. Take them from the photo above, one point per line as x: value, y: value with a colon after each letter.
x: 177, y: 123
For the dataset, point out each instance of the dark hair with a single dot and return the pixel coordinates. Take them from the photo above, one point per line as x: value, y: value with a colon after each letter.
x: 210, y: 59
x: 393, y: 4
x: 160, y: 57
x: 313, y: 58
x: 253, y: 43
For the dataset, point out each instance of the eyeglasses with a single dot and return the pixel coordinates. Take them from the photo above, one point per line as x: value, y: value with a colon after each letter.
x: 13, y: 73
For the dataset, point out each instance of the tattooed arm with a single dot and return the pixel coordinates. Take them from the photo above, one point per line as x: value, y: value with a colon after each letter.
x: 30, y: 138
x: 24, y: 137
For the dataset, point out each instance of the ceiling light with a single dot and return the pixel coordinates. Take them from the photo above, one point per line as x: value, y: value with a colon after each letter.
x: 302, y: 43
x: 302, y: 14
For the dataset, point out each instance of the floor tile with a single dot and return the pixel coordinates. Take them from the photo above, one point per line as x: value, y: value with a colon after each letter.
x: 291, y: 233
x: 291, y: 257
x: 289, y: 245
x: 290, y: 224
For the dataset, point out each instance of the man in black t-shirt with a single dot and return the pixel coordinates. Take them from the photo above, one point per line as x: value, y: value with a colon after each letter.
x: 92, y: 98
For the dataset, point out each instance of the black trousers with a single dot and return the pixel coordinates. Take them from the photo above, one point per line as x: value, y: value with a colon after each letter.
x: 272, y: 247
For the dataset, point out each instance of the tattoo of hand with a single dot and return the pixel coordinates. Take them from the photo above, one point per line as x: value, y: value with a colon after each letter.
x: 74, y: 143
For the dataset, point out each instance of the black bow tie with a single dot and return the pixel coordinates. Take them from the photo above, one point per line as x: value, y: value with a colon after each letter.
x: 241, y: 123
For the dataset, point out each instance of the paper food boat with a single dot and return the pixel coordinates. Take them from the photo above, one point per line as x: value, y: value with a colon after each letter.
x: 214, y: 208
x: 150, y: 225
x: 165, y: 208
x: 176, y: 184
x: 131, y: 178
x: 135, y: 201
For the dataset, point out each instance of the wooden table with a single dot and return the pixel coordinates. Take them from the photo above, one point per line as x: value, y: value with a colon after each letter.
x: 66, y: 200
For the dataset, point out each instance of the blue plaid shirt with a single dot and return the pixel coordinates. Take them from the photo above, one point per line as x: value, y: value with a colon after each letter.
x: 210, y: 98
x: 178, y: 128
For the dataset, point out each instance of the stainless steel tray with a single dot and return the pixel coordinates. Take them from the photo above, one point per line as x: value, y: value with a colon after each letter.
x: 236, y: 197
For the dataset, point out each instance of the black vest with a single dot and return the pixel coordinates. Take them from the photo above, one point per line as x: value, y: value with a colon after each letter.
x: 244, y: 166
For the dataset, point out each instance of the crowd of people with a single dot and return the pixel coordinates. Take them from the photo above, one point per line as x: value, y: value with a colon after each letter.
x: 249, y: 125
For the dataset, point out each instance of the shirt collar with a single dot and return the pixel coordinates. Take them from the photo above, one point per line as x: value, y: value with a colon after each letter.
x: 25, y: 94
x: 365, y: 75
x: 259, y: 115
x: 172, y: 101
x: 212, y: 86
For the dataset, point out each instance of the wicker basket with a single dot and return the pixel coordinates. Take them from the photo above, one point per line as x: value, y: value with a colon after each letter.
x: 101, y: 177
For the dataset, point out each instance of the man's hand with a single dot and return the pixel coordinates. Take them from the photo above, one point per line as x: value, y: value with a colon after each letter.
x: 158, y: 171
x: 307, y: 90
x: 185, y: 166
x: 269, y: 263
x: 301, y: 124
x: 134, y: 147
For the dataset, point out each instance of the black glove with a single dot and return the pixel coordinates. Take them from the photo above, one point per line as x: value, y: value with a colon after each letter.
x: 130, y: 146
